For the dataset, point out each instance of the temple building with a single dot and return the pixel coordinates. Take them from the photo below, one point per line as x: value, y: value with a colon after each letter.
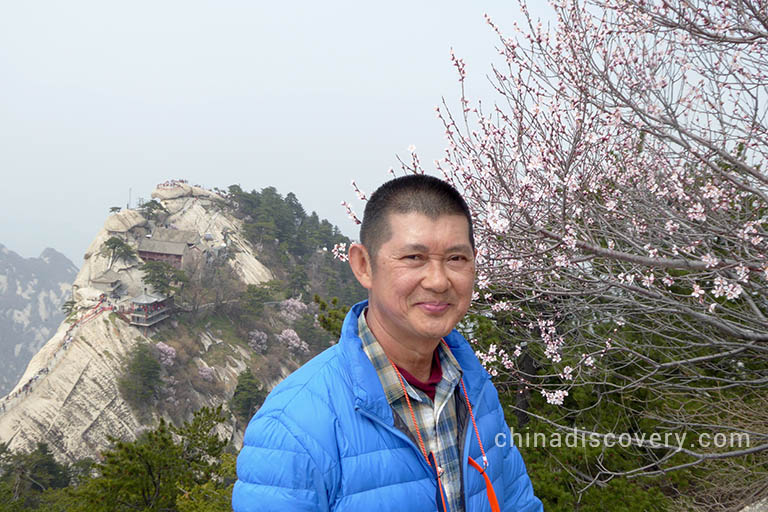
x: 108, y: 282
x: 149, y: 309
x: 168, y: 245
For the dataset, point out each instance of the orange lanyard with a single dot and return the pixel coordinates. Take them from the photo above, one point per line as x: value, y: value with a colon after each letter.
x: 488, y: 485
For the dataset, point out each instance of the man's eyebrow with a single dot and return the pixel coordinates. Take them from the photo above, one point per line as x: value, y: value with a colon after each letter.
x: 414, y: 248
x: 465, y: 248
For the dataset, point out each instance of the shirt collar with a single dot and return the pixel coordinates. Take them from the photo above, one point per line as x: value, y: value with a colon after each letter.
x: 389, y: 380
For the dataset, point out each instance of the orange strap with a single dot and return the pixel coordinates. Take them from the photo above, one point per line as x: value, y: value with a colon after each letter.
x: 472, y: 416
x: 439, y: 482
x: 488, y: 486
x: 494, y: 502
x: 421, y: 441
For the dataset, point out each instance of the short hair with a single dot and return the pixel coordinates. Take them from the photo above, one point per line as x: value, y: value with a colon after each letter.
x: 414, y: 193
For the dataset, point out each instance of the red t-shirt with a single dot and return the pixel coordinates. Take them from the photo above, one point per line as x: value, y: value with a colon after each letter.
x: 430, y: 386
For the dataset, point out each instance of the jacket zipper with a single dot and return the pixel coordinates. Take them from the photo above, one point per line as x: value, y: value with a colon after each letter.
x: 465, y: 459
x: 432, y: 471
x: 462, y: 450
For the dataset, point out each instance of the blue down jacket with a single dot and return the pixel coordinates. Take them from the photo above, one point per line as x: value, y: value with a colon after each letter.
x: 326, y: 440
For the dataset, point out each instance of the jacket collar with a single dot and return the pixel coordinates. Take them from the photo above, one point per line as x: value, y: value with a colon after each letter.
x: 366, y: 386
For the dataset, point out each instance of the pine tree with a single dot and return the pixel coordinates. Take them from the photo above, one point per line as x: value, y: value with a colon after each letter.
x: 248, y: 396
x: 151, y: 472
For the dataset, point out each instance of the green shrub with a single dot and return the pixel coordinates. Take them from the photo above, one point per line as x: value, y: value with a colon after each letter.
x: 140, y: 382
x: 248, y: 396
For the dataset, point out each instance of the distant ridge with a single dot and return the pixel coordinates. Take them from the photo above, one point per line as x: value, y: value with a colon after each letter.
x: 32, y: 291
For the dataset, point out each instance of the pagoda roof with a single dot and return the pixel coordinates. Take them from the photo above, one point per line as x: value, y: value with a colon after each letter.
x: 148, y: 298
x: 108, y: 277
x: 175, y: 235
x: 162, y: 247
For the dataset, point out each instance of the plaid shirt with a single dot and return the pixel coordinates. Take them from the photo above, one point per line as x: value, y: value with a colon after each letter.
x: 437, y: 420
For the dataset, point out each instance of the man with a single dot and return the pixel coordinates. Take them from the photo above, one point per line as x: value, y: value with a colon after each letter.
x: 399, y: 415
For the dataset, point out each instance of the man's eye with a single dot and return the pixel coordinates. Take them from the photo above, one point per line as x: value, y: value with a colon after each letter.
x: 458, y: 258
x: 414, y: 257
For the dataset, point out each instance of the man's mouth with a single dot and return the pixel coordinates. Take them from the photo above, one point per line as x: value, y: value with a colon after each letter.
x: 434, y: 307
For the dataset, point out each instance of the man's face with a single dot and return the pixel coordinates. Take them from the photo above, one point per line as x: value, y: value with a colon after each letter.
x: 422, y: 277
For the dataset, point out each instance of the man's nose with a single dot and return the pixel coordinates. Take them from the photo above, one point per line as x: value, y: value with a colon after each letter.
x: 436, y: 278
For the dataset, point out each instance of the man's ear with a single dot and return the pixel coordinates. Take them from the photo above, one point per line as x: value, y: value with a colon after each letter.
x: 361, y: 265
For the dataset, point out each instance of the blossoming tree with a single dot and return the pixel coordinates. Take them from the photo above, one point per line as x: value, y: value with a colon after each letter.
x: 620, y: 195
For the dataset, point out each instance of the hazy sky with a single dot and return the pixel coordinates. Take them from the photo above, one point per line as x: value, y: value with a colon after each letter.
x: 97, y: 97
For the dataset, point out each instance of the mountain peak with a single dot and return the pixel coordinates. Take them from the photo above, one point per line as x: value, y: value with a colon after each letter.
x: 79, y: 367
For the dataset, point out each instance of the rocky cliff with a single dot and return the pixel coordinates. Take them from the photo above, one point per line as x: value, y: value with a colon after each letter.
x: 68, y: 396
x: 32, y: 291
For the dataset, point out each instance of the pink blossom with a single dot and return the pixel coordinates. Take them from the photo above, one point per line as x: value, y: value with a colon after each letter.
x: 710, y: 260
x: 648, y: 280
x: 292, y: 309
x: 350, y: 213
x: 166, y: 353
x: 497, y: 222
x: 292, y: 341
x: 360, y: 194
x: 257, y: 340
x: 725, y: 289
x: 554, y: 397
x: 340, y: 252
x: 562, y: 260
x: 743, y: 273
x: 696, y: 212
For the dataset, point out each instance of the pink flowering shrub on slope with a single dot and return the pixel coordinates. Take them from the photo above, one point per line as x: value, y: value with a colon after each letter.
x: 291, y: 339
x: 257, y: 340
x: 292, y: 309
x: 166, y: 354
